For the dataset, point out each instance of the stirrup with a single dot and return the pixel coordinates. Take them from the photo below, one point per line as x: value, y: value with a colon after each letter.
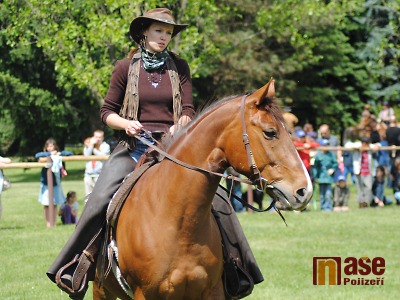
x: 78, y: 284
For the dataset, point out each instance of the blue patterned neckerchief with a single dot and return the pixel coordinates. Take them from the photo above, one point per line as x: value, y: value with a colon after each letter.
x: 153, y: 61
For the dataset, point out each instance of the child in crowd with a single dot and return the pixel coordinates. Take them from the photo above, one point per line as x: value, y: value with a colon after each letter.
x: 395, y: 173
x: 51, y: 149
x: 69, y: 209
x: 378, y: 188
x: 325, y: 165
x: 341, y: 195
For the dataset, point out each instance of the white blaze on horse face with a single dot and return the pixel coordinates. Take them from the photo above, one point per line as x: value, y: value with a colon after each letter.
x: 294, y: 200
x: 309, y: 189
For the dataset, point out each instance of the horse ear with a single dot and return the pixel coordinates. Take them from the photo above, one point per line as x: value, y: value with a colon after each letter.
x: 267, y: 90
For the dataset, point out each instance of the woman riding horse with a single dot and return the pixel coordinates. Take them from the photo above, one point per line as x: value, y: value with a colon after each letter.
x: 150, y: 89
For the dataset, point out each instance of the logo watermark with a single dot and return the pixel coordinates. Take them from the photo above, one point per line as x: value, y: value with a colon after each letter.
x: 334, y: 270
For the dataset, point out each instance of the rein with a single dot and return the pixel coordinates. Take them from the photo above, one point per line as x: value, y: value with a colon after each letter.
x: 255, y: 179
x: 186, y: 165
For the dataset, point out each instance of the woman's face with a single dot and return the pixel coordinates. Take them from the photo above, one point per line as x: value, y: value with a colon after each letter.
x: 158, y: 36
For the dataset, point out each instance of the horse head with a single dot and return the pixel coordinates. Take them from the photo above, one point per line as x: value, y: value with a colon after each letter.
x: 274, y: 154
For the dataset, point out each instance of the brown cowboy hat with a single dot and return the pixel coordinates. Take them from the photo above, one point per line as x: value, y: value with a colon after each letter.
x: 162, y: 15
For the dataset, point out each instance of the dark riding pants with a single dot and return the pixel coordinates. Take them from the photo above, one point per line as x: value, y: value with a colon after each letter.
x: 113, y: 173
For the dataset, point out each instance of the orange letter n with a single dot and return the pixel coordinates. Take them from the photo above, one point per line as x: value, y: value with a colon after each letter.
x: 321, y: 264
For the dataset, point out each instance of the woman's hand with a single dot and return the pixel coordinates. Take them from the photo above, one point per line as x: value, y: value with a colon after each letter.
x: 174, y: 128
x: 133, y: 128
x: 182, y: 122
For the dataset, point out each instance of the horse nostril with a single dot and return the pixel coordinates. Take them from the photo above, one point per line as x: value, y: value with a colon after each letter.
x: 301, y: 192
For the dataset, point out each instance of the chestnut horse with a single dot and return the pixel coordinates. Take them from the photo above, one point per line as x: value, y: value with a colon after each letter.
x: 169, y: 245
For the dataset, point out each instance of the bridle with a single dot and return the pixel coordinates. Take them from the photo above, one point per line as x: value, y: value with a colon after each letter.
x: 255, y: 179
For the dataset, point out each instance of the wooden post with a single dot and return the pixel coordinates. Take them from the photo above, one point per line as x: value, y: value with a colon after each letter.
x: 50, y: 187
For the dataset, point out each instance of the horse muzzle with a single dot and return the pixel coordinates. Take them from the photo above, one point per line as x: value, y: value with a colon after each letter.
x: 296, y: 200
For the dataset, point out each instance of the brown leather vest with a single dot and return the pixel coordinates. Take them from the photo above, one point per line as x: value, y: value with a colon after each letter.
x: 130, y: 106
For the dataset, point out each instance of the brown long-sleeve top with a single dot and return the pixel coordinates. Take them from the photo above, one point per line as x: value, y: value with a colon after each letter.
x: 155, y: 104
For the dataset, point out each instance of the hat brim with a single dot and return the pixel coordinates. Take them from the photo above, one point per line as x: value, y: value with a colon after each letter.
x: 137, y: 25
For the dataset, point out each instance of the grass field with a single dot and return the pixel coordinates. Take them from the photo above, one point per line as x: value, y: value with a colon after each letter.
x: 285, y: 254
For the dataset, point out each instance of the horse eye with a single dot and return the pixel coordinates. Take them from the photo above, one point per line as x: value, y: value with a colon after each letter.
x: 270, y: 134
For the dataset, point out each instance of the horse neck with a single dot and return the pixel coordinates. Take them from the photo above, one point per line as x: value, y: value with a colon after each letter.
x: 201, y: 146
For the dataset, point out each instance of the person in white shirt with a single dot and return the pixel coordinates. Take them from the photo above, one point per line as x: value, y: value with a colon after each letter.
x: 94, y: 145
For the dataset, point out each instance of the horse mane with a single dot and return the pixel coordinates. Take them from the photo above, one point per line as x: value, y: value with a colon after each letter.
x: 270, y: 106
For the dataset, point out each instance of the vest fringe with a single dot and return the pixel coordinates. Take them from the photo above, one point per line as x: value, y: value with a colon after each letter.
x: 130, y: 106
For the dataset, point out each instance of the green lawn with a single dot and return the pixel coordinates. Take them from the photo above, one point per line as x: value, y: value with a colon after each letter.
x: 285, y: 254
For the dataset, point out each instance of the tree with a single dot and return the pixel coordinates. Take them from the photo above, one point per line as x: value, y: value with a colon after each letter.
x: 328, y: 58
x: 303, y: 45
x: 71, y: 49
x: 377, y: 40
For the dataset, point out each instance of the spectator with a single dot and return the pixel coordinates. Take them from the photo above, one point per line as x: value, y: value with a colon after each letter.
x: 325, y: 165
x: 374, y: 138
x: 348, y: 165
x: 94, y: 145
x: 362, y: 161
x: 69, y: 209
x: 333, y: 142
x: 341, y: 195
x: 310, y: 133
x: 378, y: 189
x: 51, y: 149
x: 301, y: 142
x: 3, y: 160
x: 395, y: 174
x: 393, y: 139
x: 383, y: 156
x: 386, y: 113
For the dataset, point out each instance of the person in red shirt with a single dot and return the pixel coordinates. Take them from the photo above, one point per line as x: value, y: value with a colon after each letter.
x: 304, y: 151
